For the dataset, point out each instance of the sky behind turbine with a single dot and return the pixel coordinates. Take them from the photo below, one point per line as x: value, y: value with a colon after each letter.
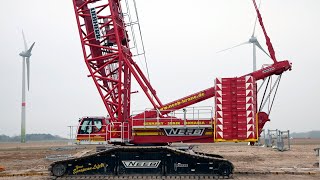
x: 181, y: 38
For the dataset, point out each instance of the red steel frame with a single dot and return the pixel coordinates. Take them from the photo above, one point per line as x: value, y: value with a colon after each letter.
x: 110, y: 64
x: 275, y: 69
x: 109, y: 59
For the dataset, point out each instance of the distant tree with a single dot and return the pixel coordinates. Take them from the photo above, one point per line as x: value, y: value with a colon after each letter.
x: 4, y: 138
x: 310, y: 134
x: 31, y: 137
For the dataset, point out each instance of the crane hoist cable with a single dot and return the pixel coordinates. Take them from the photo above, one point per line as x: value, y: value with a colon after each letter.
x: 275, y: 94
x: 264, y: 93
x: 270, y: 92
x: 131, y: 23
x: 144, y: 52
x: 264, y: 100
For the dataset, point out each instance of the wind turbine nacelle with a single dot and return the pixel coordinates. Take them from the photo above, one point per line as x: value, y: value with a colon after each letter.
x: 253, y: 39
x: 25, y: 54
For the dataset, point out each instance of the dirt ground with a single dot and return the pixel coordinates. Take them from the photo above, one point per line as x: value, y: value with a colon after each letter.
x: 251, y: 162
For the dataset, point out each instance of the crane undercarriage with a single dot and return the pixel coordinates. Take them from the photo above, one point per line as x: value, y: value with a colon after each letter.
x: 132, y: 162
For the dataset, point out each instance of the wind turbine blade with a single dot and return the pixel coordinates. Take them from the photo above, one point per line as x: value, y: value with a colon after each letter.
x: 268, y: 41
x: 28, y: 71
x: 255, y: 22
x: 260, y: 47
x: 24, y: 41
x: 247, y: 42
x: 254, y: 27
x: 30, y: 49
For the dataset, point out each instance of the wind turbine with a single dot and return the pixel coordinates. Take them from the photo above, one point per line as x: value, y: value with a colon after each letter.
x: 255, y: 43
x: 26, y: 54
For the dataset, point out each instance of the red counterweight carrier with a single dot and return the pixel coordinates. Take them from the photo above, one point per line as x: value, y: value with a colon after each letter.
x: 235, y: 109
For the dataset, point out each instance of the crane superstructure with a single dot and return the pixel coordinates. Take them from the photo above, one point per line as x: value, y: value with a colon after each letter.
x: 106, y: 50
x: 107, y: 54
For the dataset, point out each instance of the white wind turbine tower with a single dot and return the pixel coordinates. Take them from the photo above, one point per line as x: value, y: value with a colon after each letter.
x: 255, y: 43
x: 26, y: 54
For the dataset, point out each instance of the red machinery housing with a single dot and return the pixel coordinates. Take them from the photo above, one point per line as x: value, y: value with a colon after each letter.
x: 106, y: 49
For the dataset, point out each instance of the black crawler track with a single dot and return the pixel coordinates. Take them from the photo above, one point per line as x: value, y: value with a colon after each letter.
x: 159, y: 162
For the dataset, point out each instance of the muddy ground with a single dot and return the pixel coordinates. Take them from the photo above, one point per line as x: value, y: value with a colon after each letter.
x: 259, y: 162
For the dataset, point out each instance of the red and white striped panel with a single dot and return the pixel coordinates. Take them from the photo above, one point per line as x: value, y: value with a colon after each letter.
x: 218, y: 107
x: 250, y: 107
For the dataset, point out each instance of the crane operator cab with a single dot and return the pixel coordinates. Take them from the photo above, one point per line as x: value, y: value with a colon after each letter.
x: 100, y: 130
x: 92, y: 130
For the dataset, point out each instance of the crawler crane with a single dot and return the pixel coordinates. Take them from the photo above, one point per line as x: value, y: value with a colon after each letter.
x: 107, y: 54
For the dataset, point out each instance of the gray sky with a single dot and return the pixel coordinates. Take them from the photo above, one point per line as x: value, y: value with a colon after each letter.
x: 181, y: 39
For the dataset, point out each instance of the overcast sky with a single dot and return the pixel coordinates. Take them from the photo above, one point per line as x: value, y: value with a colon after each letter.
x: 181, y: 39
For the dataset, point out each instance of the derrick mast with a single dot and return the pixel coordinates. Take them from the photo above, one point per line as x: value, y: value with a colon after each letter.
x: 107, y: 55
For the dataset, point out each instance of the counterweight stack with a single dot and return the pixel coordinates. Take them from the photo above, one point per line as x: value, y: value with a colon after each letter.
x: 236, y: 107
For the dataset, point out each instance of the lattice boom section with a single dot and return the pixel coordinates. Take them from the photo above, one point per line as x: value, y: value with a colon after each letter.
x: 235, y: 109
x: 106, y: 52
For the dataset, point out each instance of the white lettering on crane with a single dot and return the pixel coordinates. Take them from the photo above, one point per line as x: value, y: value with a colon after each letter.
x: 141, y: 163
x: 268, y: 70
x: 95, y: 23
x: 184, y: 131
